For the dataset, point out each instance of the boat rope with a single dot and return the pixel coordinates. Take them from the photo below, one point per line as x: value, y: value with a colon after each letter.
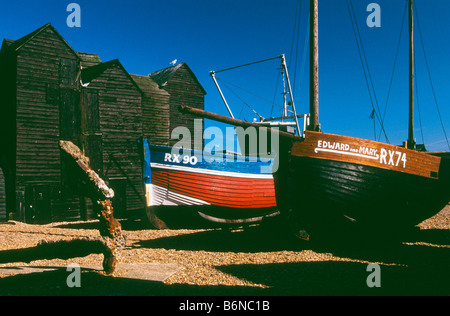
x: 417, y: 100
x: 295, y: 38
x: 305, y: 52
x: 245, y: 65
x: 416, y: 88
x: 242, y: 100
x: 395, y: 64
x: 245, y: 90
x: 429, y: 76
x: 365, y: 64
x: 275, y: 94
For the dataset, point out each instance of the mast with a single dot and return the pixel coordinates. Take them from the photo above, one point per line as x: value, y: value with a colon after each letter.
x: 314, y: 66
x: 411, y: 142
x: 283, y: 63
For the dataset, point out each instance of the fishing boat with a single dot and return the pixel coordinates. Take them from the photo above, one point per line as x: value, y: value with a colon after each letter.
x: 225, y: 188
x: 324, y: 180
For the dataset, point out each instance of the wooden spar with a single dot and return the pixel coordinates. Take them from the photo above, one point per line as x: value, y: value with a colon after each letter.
x: 228, y: 120
x: 411, y: 141
x: 314, y: 66
x: 213, y: 75
x: 88, y: 181
x: 283, y: 63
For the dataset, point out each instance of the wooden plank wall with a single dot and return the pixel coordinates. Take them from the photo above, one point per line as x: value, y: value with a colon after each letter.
x: 7, y: 127
x: 41, y: 102
x: 184, y: 89
x: 38, y: 126
x: 39, y: 83
x: 155, y: 111
x: 121, y: 127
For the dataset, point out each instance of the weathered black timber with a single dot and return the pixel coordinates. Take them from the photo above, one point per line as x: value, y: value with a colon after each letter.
x: 50, y: 92
x: 184, y: 89
x: 39, y: 78
x: 155, y: 110
x: 89, y: 59
x: 7, y: 144
x: 370, y: 197
x: 112, y: 114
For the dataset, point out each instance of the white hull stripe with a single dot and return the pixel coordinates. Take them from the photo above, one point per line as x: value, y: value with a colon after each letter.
x: 346, y: 153
x: 162, y: 196
x: 212, y: 172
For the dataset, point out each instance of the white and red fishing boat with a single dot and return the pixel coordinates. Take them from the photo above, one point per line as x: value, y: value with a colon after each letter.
x: 225, y: 188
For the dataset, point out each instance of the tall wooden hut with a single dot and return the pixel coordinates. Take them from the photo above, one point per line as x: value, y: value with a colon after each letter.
x: 111, y: 127
x: 50, y: 92
x: 184, y: 89
x: 38, y: 82
x: 43, y: 100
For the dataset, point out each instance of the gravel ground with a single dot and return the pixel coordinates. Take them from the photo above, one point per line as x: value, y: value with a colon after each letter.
x: 253, y: 261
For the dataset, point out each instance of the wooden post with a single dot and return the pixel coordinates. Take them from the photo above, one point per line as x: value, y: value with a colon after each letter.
x: 314, y: 66
x: 92, y: 186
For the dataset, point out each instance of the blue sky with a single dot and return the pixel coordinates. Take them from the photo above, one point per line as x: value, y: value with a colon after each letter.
x: 211, y: 35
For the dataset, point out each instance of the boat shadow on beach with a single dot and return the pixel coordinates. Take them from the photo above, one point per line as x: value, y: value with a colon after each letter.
x: 416, y: 264
x: 333, y: 265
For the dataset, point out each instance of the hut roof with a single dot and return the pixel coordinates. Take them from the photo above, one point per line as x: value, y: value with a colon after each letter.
x: 89, y: 74
x: 89, y: 59
x: 164, y: 75
x: 148, y: 85
x: 18, y: 44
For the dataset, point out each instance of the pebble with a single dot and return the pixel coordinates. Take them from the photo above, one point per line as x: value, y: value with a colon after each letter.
x: 201, y: 253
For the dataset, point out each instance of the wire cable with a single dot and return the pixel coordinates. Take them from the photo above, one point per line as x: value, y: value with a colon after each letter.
x: 429, y: 76
x: 418, y: 102
x: 395, y: 64
x: 366, y: 74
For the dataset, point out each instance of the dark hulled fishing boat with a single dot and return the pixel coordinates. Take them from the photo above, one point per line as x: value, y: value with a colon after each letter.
x: 367, y: 182
x: 371, y: 183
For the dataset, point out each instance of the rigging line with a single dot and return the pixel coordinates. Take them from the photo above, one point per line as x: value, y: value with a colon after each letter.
x: 364, y: 70
x: 305, y: 47
x: 240, y: 113
x: 367, y: 65
x: 247, y: 91
x: 245, y: 65
x: 275, y: 94
x: 360, y: 57
x: 296, y: 46
x: 374, y: 123
x: 297, y: 17
x: 243, y: 101
x: 395, y: 63
x: 304, y: 55
x: 429, y: 75
x: 416, y: 88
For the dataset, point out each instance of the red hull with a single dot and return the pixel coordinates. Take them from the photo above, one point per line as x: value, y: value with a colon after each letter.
x: 218, y: 190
